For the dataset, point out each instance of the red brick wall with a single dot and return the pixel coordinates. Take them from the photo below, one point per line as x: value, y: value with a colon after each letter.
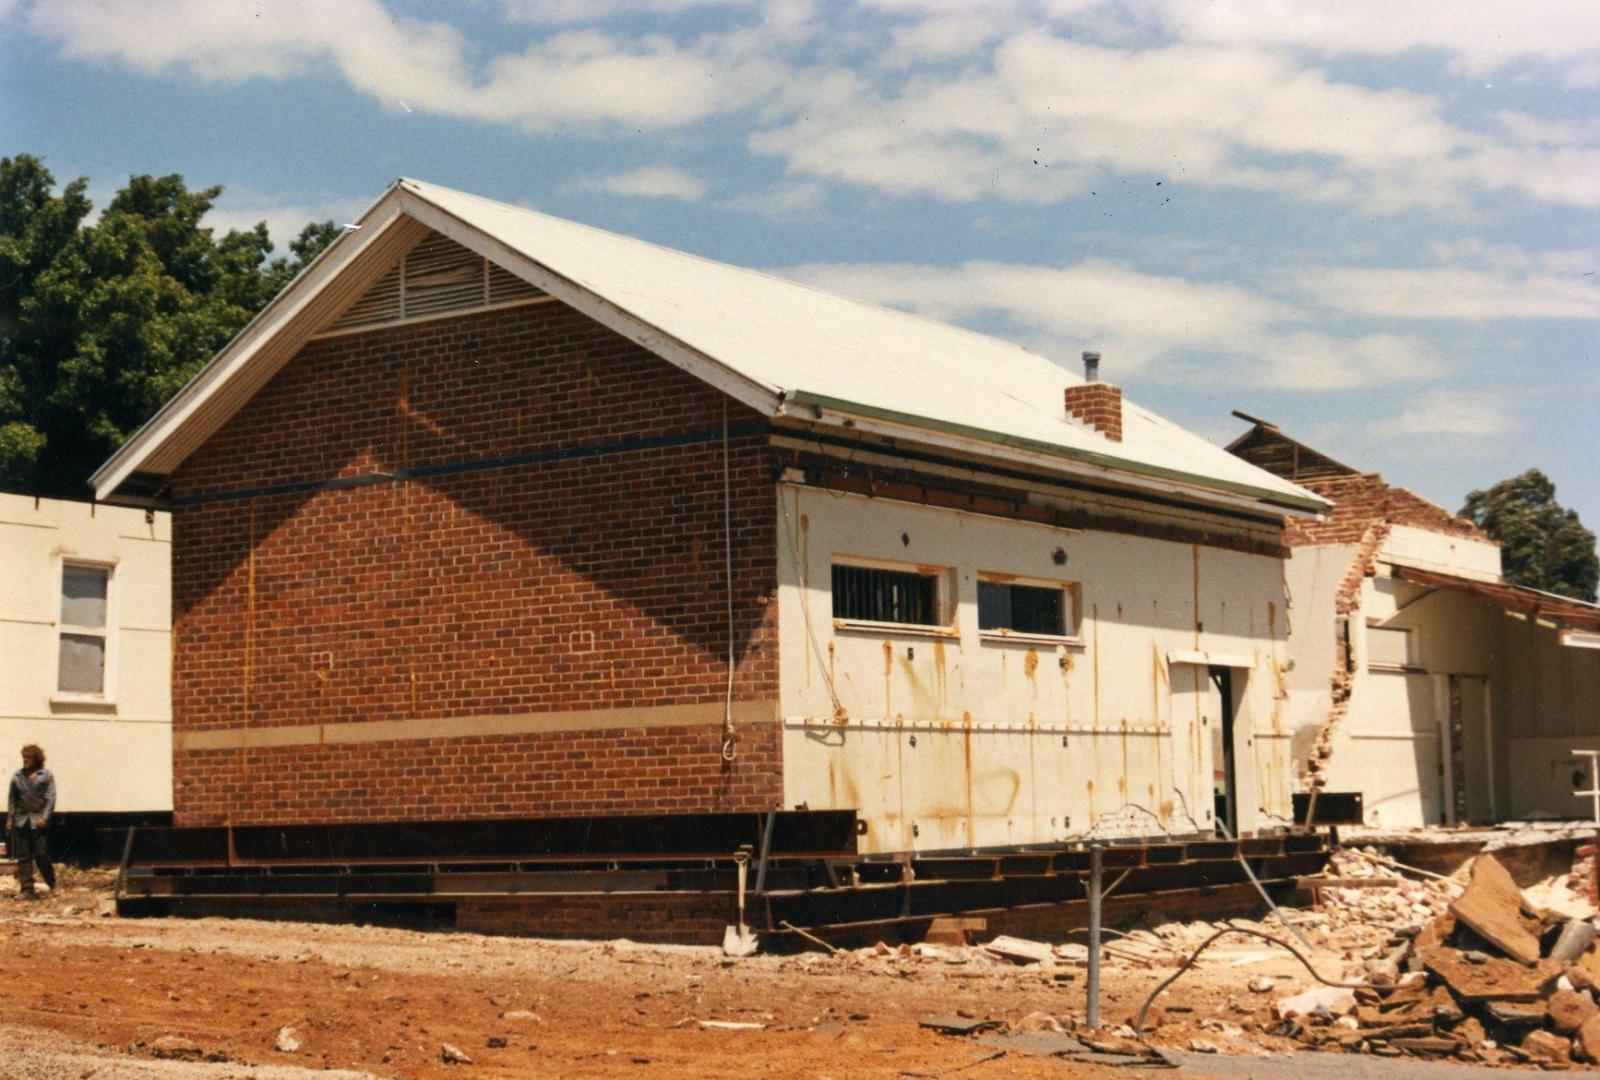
x: 672, y: 918
x: 590, y: 578
x: 1363, y: 500
x: 1099, y: 405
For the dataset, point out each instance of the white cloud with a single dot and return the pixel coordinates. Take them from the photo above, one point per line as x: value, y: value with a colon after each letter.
x: 1480, y: 36
x: 1030, y: 100
x: 1451, y: 412
x: 590, y: 11
x: 1451, y: 293
x: 651, y: 181
x: 577, y: 79
x: 1045, y: 116
x: 781, y: 200
x: 1159, y: 327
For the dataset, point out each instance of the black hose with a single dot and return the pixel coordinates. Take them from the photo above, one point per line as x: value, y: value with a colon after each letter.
x: 1138, y: 1022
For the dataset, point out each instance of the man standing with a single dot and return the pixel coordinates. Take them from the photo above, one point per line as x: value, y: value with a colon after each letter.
x: 29, y: 804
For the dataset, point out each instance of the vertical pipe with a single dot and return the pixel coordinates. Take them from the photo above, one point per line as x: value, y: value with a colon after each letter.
x: 1488, y: 748
x: 1095, y: 871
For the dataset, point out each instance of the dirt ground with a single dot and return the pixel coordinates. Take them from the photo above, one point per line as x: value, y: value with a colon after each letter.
x: 90, y: 995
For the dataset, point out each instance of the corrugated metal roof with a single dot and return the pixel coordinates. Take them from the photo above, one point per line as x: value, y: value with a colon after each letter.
x: 801, y: 342
x: 784, y: 347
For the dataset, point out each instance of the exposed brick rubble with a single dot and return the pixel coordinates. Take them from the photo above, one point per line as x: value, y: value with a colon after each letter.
x: 1365, y: 510
x: 1362, y: 500
x: 1444, y: 990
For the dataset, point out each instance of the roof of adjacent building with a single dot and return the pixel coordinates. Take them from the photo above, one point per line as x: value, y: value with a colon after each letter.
x: 782, y: 347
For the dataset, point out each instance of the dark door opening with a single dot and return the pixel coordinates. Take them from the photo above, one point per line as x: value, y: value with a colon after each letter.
x: 1225, y: 784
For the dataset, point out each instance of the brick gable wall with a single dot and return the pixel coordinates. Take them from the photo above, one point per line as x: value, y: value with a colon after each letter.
x: 415, y: 543
x: 1363, y: 500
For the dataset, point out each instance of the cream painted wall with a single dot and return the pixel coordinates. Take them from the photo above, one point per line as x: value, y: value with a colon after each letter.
x: 111, y: 753
x: 956, y: 739
x: 1529, y: 700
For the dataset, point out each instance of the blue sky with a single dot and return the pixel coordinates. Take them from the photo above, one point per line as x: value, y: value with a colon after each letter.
x: 1373, y: 223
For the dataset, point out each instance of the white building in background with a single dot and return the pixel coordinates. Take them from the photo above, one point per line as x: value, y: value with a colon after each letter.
x: 86, y: 650
x: 1420, y: 678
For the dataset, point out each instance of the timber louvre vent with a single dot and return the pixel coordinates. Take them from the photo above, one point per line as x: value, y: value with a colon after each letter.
x: 436, y: 277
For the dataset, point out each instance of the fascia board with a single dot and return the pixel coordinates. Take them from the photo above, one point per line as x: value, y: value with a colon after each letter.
x: 1105, y: 467
x: 246, y: 344
x: 759, y: 396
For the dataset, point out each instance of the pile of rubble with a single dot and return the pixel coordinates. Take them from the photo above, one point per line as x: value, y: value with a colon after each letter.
x: 1490, y: 978
x: 1370, y: 893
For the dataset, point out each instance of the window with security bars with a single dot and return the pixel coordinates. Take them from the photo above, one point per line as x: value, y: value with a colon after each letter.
x: 81, y: 657
x: 1027, y: 609
x: 872, y: 594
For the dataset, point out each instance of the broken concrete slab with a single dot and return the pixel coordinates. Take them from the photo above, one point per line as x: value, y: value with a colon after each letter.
x: 1426, y: 1045
x: 1492, y: 907
x: 1020, y: 950
x: 1493, y: 980
x: 1515, y: 1015
x: 1333, y: 1000
x: 1036, y: 1043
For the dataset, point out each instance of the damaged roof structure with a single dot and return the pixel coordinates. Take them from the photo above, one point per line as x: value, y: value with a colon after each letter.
x: 1422, y: 679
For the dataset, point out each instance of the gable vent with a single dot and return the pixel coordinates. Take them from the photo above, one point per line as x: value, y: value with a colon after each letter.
x: 436, y: 277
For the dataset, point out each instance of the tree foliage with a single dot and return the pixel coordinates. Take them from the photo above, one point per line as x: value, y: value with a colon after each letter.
x: 1543, y: 545
x: 103, y: 321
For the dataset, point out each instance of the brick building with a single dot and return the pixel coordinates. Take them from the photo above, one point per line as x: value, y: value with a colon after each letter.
x: 492, y: 514
x: 1421, y: 679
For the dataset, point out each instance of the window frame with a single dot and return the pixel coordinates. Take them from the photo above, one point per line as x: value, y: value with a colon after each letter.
x: 944, y: 598
x: 107, y: 632
x: 1413, y: 662
x: 1073, y: 609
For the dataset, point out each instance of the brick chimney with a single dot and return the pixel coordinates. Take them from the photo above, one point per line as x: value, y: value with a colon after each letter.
x: 1096, y: 403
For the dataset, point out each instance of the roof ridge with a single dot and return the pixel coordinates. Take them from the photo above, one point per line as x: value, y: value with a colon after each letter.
x: 764, y: 274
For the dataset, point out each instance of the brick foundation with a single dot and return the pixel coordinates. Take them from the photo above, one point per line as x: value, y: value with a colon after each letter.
x: 668, y: 918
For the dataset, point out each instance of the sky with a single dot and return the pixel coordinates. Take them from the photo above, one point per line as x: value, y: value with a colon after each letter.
x: 1372, y: 223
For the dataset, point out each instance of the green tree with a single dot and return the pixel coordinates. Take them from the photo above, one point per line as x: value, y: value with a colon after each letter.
x: 1543, y: 545
x: 100, y: 323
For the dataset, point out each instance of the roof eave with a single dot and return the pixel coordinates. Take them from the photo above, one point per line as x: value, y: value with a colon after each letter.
x: 1132, y: 473
x: 301, y: 290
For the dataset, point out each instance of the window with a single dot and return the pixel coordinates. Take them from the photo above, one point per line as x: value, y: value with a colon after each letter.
x: 81, y: 665
x: 1041, y: 610
x: 1388, y: 647
x: 872, y: 594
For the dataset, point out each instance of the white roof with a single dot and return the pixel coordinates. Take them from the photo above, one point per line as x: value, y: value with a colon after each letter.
x: 791, y: 349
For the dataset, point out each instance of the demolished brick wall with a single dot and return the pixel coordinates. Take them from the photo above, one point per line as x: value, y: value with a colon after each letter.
x: 1363, y: 500
x: 342, y: 555
x: 1365, y: 510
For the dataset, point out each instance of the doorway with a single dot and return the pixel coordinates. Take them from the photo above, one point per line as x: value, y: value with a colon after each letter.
x: 1225, y: 774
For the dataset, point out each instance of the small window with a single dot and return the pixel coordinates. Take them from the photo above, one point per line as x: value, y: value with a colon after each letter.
x: 871, y: 594
x: 81, y: 666
x: 1042, y: 610
x: 1390, y: 647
